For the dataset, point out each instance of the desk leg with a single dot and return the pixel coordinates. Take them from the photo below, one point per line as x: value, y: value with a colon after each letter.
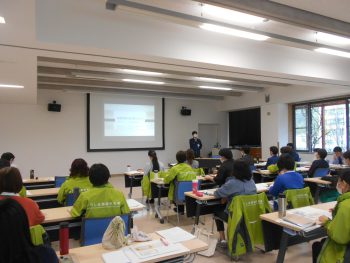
x: 131, y: 185
x: 198, y: 213
x: 283, y: 247
x: 157, y: 207
x: 317, y: 195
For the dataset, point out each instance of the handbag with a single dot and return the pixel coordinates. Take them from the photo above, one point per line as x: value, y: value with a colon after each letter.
x: 208, y: 238
x: 114, y: 236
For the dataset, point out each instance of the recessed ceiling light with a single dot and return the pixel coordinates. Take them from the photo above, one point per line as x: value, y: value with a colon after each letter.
x: 10, y: 86
x: 142, y: 72
x: 333, y: 38
x: 2, y: 20
x: 233, y: 32
x: 213, y: 80
x: 333, y: 52
x: 215, y: 88
x: 232, y: 15
x: 144, y: 81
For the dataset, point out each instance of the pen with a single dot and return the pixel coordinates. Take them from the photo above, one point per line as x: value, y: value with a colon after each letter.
x: 164, y: 241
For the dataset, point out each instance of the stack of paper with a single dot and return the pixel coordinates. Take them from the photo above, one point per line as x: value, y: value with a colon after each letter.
x: 175, y: 235
x: 261, y: 187
x: 132, y: 203
x: 299, y: 221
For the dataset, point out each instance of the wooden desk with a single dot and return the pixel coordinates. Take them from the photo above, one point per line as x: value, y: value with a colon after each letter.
x: 207, y: 204
x: 45, y: 197
x: 276, y: 238
x: 338, y: 166
x: 42, y: 192
x: 93, y: 254
x: 41, y: 182
x: 132, y: 179
x: 319, y: 185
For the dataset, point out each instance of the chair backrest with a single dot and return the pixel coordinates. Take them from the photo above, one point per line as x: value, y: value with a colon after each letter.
x: 59, y: 180
x: 319, y: 172
x: 180, y: 188
x: 299, y: 197
x: 71, y: 198
x: 244, y: 223
x: 92, y: 229
x: 36, y: 235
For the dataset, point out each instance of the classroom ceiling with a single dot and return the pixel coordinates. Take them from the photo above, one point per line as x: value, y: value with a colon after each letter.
x: 76, y: 75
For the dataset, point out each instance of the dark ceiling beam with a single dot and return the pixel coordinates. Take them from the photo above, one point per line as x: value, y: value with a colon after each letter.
x: 286, y: 14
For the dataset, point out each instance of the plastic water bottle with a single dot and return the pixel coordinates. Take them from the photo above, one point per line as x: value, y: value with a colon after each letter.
x: 282, y: 205
x: 31, y: 175
x: 194, y: 186
x: 64, y: 238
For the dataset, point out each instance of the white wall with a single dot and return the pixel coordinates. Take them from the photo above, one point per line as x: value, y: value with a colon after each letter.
x: 48, y: 141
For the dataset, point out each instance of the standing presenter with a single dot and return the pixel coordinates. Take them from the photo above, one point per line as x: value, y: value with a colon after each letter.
x: 196, y: 144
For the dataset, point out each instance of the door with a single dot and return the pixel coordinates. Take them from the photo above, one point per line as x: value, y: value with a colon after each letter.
x: 209, y: 135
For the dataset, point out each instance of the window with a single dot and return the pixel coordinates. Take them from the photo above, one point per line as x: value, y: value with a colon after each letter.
x: 328, y: 125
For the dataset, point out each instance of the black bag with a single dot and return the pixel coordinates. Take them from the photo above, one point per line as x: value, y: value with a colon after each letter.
x: 333, y: 179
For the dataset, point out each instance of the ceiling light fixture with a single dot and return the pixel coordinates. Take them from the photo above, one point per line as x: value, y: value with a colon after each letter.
x: 213, y: 80
x: 10, y: 86
x: 333, y: 52
x: 233, y: 32
x: 142, y: 72
x: 232, y: 15
x: 2, y: 20
x: 214, y: 88
x: 144, y: 81
x: 332, y: 38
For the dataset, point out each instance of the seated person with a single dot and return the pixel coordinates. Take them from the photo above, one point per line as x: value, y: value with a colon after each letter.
x: 245, y: 151
x: 240, y: 183
x: 8, y: 157
x: 102, y: 200
x: 78, y: 177
x: 287, y: 178
x: 346, y: 156
x: 293, y: 152
x: 284, y: 150
x: 225, y: 169
x: 10, y: 186
x: 337, y: 156
x: 320, y: 161
x: 190, y: 159
x: 180, y: 172
x: 6, y: 162
x: 333, y: 248
x: 274, y: 158
x: 16, y: 245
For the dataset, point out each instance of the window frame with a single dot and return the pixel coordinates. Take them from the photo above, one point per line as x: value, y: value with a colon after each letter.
x: 308, y: 106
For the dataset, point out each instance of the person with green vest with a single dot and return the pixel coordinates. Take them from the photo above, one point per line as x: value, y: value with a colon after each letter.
x: 334, y: 248
x: 239, y: 183
x: 180, y: 172
x: 78, y: 178
x: 102, y: 200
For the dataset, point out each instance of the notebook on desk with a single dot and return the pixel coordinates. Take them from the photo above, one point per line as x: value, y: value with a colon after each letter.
x: 298, y: 220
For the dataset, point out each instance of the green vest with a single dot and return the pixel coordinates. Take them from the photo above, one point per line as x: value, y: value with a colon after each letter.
x: 180, y: 172
x: 23, y: 192
x: 338, y: 231
x: 146, y: 183
x: 299, y: 197
x: 244, y: 229
x: 83, y: 183
x: 100, y: 201
x: 36, y: 235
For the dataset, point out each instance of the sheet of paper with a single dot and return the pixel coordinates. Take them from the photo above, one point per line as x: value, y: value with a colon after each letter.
x: 310, y: 212
x: 261, y: 186
x: 175, y: 235
x: 132, y: 203
x: 115, y: 256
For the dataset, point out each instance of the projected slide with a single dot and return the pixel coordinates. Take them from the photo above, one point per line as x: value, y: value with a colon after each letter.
x: 129, y: 120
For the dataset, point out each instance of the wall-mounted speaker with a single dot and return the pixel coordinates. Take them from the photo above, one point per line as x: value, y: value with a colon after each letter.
x: 54, y: 107
x: 185, y: 112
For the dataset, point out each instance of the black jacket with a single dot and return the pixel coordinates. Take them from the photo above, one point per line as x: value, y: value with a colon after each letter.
x: 224, y: 171
x: 317, y: 164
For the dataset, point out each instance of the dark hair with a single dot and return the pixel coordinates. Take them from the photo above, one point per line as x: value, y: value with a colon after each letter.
x: 15, y: 242
x: 274, y: 150
x: 181, y: 156
x: 7, y: 156
x: 346, y: 155
x: 79, y: 167
x: 286, y: 149
x: 190, y: 156
x: 241, y: 170
x: 291, y: 145
x: 4, y: 163
x: 286, y: 161
x: 194, y: 132
x: 345, y: 176
x: 10, y: 180
x: 226, y: 152
x: 245, y: 149
x: 337, y: 149
x: 99, y: 174
x: 322, y: 153
x: 155, y: 163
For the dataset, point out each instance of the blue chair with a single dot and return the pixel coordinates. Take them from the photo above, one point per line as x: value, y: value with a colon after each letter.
x: 92, y: 229
x: 320, y: 172
x: 59, y: 180
x: 179, y: 193
x: 71, y: 198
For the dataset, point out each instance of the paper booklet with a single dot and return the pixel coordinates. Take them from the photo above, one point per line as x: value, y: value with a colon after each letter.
x: 299, y: 221
x: 175, y: 235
